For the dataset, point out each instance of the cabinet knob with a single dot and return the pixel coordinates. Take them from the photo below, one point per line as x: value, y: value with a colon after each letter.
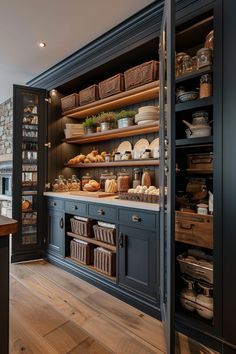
x: 100, y: 212
x: 48, y: 145
x: 53, y: 203
x: 136, y: 218
x: 61, y: 223
x: 74, y: 207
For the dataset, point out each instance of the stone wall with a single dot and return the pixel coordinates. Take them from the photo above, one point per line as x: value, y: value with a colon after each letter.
x: 6, y: 127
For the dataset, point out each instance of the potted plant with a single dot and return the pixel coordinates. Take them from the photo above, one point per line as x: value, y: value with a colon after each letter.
x: 90, y: 124
x: 125, y: 118
x: 106, y: 120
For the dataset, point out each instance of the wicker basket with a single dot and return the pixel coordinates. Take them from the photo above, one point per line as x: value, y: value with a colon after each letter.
x: 105, y: 234
x: 141, y: 74
x: 105, y: 261
x: 83, y: 228
x: 69, y: 102
x: 140, y: 197
x: 111, y: 86
x: 82, y: 251
x: 88, y: 95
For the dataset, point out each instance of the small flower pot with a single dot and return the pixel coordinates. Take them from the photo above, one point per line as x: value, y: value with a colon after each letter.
x: 105, y: 126
x: 90, y: 130
x: 125, y: 122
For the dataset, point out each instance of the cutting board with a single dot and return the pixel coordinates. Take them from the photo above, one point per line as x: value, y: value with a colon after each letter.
x: 92, y: 194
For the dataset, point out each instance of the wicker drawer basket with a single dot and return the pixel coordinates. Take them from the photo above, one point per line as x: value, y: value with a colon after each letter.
x: 83, y: 228
x: 105, y: 234
x: 69, y: 102
x: 82, y: 251
x: 88, y: 95
x: 111, y: 86
x: 141, y: 74
x: 105, y: 261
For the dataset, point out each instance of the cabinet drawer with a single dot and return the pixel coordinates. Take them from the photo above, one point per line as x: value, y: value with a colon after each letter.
x: 102, y: 212
x: 76, y: 208
x: 137, y: 218
x: 55, y: 204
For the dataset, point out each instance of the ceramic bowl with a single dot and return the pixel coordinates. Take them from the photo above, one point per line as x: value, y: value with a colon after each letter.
x: 188, y: 96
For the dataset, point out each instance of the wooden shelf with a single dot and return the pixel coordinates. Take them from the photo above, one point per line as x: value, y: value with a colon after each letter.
x: 115, y: 133
x: 201, y: 102
x: 148, y: 162
x: 194, y: 142
x: 113, y: 279
x: 136, y: 95
x: 92, y: 240
x: 193, y: 74
x: 197, y: 171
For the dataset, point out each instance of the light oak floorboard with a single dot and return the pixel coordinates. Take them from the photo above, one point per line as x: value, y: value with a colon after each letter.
x: 83, y: 319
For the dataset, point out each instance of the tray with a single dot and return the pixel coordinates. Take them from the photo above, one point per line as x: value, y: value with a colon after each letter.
x: 93, y: 194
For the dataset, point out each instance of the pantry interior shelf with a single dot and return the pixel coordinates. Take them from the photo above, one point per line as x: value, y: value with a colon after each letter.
x: 136, y: 95
x: 194, y: 142
x: 92, y: 240
x: 148, y: 162
x: 115, y: 133
x: 201, y: 102
x: 194, y: 74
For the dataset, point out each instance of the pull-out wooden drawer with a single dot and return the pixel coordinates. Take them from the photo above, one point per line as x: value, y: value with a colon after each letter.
x: 194, y: 229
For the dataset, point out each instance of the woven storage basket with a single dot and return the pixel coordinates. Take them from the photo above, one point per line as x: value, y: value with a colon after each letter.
x: 82, y: 252
x: 83, y: 228
x: 88, y: 95
x: 111, y: 86
x: 105, y: 234
x: 141, y: 74
x: 140, y: 197
x: 69, y: 102
x: 105, y: 261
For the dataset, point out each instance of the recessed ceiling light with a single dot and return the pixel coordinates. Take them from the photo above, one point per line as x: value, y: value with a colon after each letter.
x: 42, y: 44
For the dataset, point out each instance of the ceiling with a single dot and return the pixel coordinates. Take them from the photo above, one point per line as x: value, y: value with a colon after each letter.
x: 65, y: 26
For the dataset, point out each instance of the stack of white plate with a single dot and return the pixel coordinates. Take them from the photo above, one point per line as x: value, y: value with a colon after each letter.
x: 147, y: 114
x: 73, y: 130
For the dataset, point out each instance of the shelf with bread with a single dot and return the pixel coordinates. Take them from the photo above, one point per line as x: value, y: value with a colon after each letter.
x: 136, y: 95
x: 115, y: 133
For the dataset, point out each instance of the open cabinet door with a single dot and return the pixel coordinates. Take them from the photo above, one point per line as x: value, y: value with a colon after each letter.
x: 167, y: 171
x: 29, y: 171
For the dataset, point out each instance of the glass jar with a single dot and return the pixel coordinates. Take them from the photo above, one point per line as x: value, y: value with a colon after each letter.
x: 111, y: 184
x: 204, y: 57
x: 62, y: 184
x: 194, y: 63
x: 186, y: 64
x: 123, y: 181
x: 137, y: 178
x: 117, y: 156
x: 146, y: 178
x: 178, y: 63
x: 205, y: 86
x: 108, y: 157
x: 75, y: 183
x: 85, y: 179
x: 126, y: 156
x: 103, y: 177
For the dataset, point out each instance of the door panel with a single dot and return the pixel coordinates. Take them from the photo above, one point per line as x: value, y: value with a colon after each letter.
x: 167, y: 171
x: 56, y: 232
x: 29, y: 170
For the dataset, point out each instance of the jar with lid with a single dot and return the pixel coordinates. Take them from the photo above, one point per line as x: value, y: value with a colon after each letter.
x: 146, y: 178
x: 194, y: 63
x: 108, y: 157
x: 123, y: 181
x: 117, y: 156
x: 60, y: 184
x: 111, y: 184
x: 103, y: 177
x: 137, y: 178
x: 126, y: 155
x: 75, y: 183
x: 178, y: 63
x: 186, y: 64
x: 205, y: 86
x: 204, y: 57
x: 85, y: 179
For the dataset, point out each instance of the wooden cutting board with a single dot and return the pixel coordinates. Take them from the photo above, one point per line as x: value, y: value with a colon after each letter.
x: 92, y: 194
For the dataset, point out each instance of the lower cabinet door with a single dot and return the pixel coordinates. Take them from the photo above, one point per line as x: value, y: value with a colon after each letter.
x: 56, y: 232
x: 138, y: 260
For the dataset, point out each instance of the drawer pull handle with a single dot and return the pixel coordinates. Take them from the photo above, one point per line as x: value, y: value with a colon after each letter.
x: 100, y: 212
x: 61, y: 223
x: 136, y: 218
x: 74, y: 207
x: 121, y: 240
x: 186, y: 226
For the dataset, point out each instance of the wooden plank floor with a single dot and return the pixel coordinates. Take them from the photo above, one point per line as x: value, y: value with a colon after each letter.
x: 52, y: 311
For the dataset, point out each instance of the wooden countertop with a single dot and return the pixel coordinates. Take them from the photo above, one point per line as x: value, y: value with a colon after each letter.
x: 7, y: 226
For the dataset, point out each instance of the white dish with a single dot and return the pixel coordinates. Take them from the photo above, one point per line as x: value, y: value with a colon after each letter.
x: 145, y: 121
x: 154, y: 143
x: 146, y: 116
x: 141, y: 145
x: 124, y: 146
x: 148, y: 109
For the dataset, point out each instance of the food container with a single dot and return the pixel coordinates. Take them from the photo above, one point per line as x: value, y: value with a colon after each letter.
x: 117, y: 156
x: 125, y: 122
x: 209, y: 42
x: 205, y: 86
x: 85, y: 179
x: 104, y: 176
x: 202, y: 209
x: 197, y: 268
x: 202, y: 161
x: 178, y: 63
x: 146, y: 154
x: 137, y: 178
x: 69, y: 102
x: 108, y: 157
x: 141, y: 74
x: 186, y: 65
x: 111, y: 86
x: 111, y: 184
x: 146, y: 178
x: 204, y: 301
x: 89, y: 95
x: 123, y: 181
x: 204, y: 57
x: 126, y: 156
x: 60, y: 184
x: 194, y: 63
